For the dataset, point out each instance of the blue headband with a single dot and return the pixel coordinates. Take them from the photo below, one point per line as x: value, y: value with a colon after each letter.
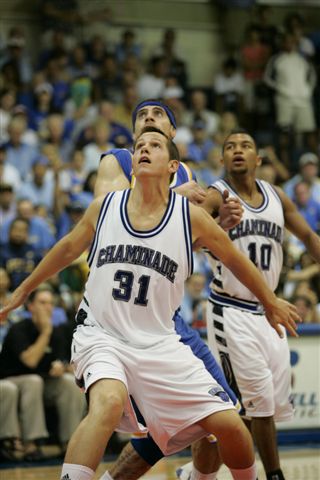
x: 158, y: 104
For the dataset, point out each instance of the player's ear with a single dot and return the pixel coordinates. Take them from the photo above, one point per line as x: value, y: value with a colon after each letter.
x: 258, y: 161
x: 173, y: 166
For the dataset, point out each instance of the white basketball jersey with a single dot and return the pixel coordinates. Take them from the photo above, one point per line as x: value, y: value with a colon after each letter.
x: 136, y: 278
x: 259, y: 235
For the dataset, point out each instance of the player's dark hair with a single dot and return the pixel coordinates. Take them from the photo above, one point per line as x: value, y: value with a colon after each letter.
x: 237, y: 131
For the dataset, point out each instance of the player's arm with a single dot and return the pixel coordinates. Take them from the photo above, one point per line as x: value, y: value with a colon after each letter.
x: 110, y: 176
x: 192, y: 190
x: 297, y: 225
x: 228, y: 209
x: 207, y: 233
x: 60, y: 256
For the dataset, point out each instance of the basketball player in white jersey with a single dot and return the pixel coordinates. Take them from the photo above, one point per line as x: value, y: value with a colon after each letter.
x: 125, y: 342
x: 256, y: 362
x: 115, y: 173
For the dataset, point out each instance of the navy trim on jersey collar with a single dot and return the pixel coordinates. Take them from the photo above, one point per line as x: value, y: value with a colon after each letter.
x: 145, y: 233
x: 265, y: 201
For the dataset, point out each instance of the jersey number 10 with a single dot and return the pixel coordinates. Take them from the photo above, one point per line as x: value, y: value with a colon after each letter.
x: 265, y: 255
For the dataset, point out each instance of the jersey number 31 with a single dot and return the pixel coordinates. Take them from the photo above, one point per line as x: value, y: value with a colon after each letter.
x: 124, y: 292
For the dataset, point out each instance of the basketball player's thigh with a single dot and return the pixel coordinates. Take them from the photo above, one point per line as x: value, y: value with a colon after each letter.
x: 243, y: 342
x: 95, y: 357
x: 281, y: 376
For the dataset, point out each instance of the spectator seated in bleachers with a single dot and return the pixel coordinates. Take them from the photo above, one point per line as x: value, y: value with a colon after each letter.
x: 99, y: 145
x: 35, y: 358
x: 7, y: 203
x: 9, y: 174
x: 42, y: 105
x: 40, y: 236
x: 39, y: 189
x: 127, y: 46
x: 17, y: 256
x: 201, y: 144
x: 199, y: 109
x: 18, y: 153
x: 8, y: 99
x: 309, y: 173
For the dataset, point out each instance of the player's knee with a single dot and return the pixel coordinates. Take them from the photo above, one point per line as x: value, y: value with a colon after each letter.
x: 106, y: 403
x: 228, y: 424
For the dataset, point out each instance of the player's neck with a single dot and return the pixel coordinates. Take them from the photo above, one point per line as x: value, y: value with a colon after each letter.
x: 244, y: 185
x: 149, y: 196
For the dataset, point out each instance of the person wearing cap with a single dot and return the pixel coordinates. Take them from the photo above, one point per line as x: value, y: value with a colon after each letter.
x: 40, y: 188
x: 309, y: 173
x: 43, y: 104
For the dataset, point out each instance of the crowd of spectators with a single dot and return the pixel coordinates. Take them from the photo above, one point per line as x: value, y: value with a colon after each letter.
x: 61, y: 111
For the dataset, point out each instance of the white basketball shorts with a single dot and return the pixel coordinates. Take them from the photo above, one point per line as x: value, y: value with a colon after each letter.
x: 170, y: 386
x: 255, y: 360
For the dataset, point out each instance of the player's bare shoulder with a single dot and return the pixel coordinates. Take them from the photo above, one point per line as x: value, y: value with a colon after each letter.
x: 200, y: 221
x: 91, y: 215
x: 110, y: 165
x: 111, y: 176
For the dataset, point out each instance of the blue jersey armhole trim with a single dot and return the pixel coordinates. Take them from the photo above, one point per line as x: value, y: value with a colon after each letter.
x: 187, y: 232
x: 102, y: 214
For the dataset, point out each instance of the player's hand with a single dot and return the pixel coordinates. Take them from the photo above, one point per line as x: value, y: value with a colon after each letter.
x: 17, y: 298
x: 230, y: 211
x: 193, y: 191
x: 283, y: 313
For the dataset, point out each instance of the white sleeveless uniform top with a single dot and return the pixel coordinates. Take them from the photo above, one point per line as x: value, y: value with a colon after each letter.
x: 136, y: 279
x: 260, y: 236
